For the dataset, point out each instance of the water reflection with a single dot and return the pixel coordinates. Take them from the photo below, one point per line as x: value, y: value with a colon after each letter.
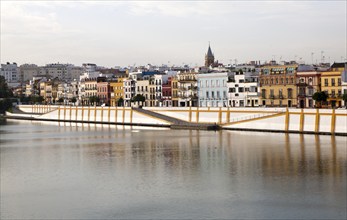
x: 129, y: 172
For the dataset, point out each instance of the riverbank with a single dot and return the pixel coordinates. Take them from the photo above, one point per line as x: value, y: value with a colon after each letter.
x: 306, y: 121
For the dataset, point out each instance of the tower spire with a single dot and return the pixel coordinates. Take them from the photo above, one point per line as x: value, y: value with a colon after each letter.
x: 209, y: 57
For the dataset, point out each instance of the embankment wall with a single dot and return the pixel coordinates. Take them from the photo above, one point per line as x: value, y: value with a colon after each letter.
x: 319, y: 121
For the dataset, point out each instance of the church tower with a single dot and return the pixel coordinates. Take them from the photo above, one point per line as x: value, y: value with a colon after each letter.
x: 209, y: 57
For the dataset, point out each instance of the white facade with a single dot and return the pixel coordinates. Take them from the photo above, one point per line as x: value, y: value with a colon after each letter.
x: 10, y: 72
x: 243, y: 90
x: 187, y: 89
x: 129, y: 86
x: 158, y: 81
x: 213, y: 89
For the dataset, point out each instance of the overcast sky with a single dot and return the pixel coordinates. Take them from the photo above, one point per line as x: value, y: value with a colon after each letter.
x: 115, y: 33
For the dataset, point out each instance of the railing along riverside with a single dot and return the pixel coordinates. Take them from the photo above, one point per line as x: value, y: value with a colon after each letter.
x: 260, y: 115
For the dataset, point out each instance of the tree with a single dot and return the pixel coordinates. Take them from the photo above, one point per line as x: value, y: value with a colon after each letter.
x: 37, y: 99
x: 5, y: 96
x: 344, y: 98
x: 138, y: 98
x: 320, y: 97
x: 73, y: 100
x: 60, y: 100
x: 120, y: 101
x: 5, y: 92
x: 94, y: 100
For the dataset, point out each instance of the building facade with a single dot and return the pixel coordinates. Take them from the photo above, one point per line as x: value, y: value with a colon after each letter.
x: 213, y: 90
x: 187, y: 89
x: 10, y: 72
x: 308, y: 83
x: 117, y: 92
x: 278, y: 86
x: 243, y: 89
x: 331, y: 84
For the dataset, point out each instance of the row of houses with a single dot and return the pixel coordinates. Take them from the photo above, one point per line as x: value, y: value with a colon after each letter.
x: 289, y: 85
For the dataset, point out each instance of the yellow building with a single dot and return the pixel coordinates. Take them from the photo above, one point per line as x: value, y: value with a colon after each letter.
x: 46, y: 89
x: 331, y: 85
x: 117, y: 91
x: 278, y: 86
x: 174, y: 92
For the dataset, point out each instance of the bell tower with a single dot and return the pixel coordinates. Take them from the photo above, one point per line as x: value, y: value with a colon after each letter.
x: 209, y: 57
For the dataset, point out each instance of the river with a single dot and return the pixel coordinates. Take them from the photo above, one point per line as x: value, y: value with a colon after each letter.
x: 69, y: 171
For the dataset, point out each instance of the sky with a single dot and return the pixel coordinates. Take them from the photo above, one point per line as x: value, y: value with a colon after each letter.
x: 119, y: 33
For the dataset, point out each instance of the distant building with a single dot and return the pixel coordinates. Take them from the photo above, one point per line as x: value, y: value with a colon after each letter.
x: 213, y: 90
x: 10, y: 72
x: 167, y: 93
x: 129, y: 91
x: 209, y: 57
x: 142, y: 88
x: 308, y: 83
x: 344, y: 82
x: 104, y: 92
x: 187, y: 89
x: 174, y: 91
x: 28, y: 71
x: 117, y: 91
x: 278, y: 86
x: 331, y: 84
x: 243, y: 89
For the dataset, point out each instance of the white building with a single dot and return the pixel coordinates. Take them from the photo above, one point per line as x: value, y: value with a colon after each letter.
x: 187, y: 89
x: 213, y: 89
x: 158, y: 81
x: 129, y: 86
x: 10, y: 72
x: 243, y: 89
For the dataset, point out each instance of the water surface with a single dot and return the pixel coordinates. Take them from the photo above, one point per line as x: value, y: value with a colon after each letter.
x: 64, y: 171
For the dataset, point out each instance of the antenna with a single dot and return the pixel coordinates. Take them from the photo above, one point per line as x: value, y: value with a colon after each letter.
x: 322, y: 56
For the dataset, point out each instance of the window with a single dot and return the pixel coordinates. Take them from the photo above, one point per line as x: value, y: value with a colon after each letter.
x: 339, y: 81
x: 218, y: 95
x: 272, y: 93
x: 207, y: 94
x: 290, y: 93
x: 326, y: 82
x: 240, y: 89
x: 310, y: 91
x: 263, y: 93
x: 280, y: 93
x: 332, y: 82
